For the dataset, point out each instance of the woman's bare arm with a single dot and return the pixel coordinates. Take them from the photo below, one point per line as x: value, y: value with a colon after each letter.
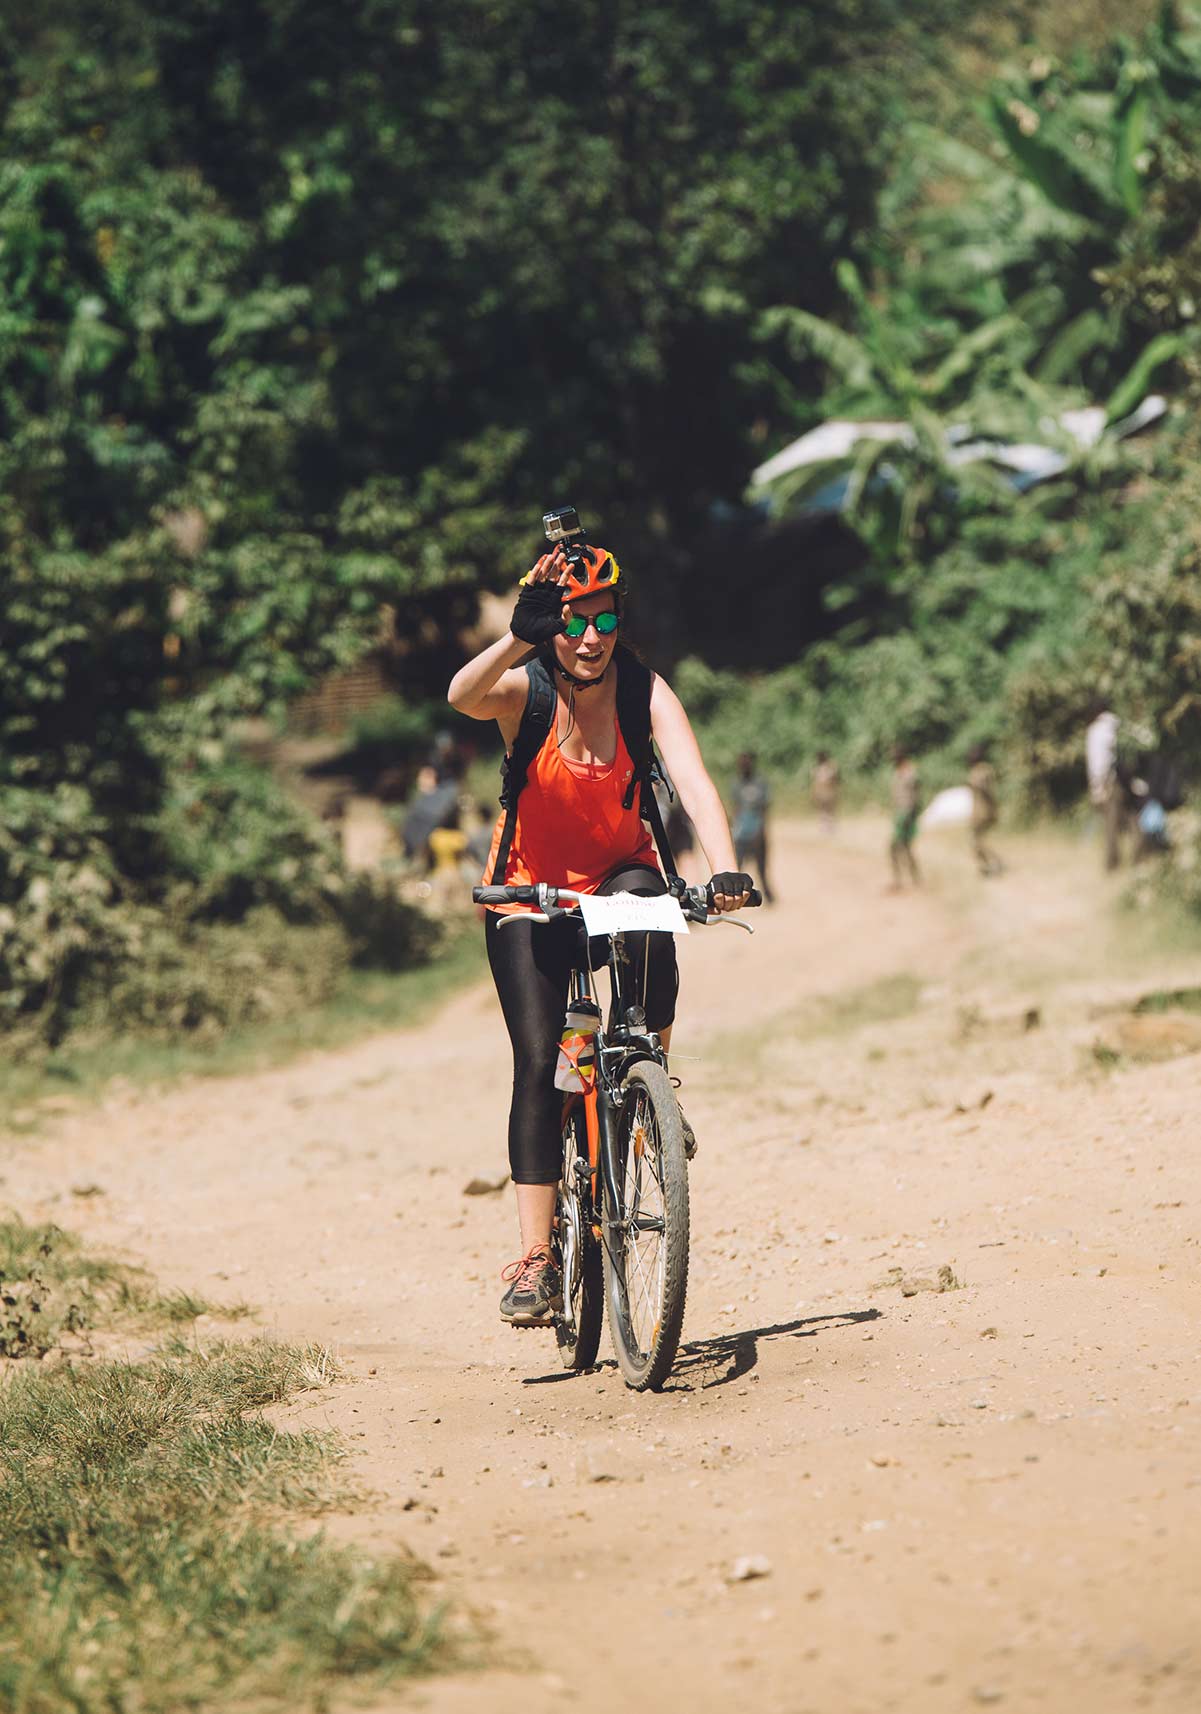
x: 682, y: 755
x: 491, y: 686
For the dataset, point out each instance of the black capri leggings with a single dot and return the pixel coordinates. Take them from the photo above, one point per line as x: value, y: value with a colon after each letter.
x: 530, y: 964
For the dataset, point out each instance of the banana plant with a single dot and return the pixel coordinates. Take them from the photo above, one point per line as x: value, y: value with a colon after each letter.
x: 893, y: 470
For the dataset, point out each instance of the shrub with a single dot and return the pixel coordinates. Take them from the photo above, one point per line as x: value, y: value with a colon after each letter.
x: 197, y: 978
x: 251, y: 914
x: 382, y: 931
x: 233, y: 841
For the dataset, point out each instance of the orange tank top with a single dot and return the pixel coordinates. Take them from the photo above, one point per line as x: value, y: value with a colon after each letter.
x: 571, y: 828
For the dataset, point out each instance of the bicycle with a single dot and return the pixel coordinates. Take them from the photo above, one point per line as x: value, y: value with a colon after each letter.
x: 622, y: 1205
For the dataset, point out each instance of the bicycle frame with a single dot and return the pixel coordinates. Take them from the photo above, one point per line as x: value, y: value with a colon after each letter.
x: 626, y: 1041
x: 623, y: 1044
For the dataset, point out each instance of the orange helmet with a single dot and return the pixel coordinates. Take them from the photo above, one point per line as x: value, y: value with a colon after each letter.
x: 593, y: 571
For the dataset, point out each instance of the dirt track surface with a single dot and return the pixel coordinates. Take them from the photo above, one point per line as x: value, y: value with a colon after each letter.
x: 983, y: 1496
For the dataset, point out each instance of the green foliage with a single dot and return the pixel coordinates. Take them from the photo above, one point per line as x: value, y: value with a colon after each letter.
x: 1007, y: 637
x: 1012, y: 285
x: 233, y: 840
x: 1053, y: 264
x: 252, y: 917
x: 381, y: 931
x: 301, y: 326
x: 178, y: 978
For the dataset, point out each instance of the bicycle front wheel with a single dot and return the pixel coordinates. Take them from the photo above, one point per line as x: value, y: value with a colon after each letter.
x: 646, y: 1252
x: 578, y: 1324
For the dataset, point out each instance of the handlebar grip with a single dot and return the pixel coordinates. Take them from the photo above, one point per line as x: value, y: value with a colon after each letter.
x: 756, y: 897
x: 524, y: 895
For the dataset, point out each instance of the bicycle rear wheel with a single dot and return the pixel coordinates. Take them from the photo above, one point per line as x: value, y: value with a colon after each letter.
x: 578, y: 1325
x: 647, y: 1258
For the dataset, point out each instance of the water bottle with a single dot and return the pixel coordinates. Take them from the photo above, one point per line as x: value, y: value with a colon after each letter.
x: 576, y: 1066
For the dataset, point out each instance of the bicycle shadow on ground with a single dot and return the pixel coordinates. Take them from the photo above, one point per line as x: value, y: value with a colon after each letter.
x: 705, y: 1363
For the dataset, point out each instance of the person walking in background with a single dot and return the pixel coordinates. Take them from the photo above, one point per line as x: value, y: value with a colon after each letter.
x: 433, y: 805
x: 752, y: 799
x: 824, y: 788
x: 982, y: 778
x: 1105, y: 790
x: 906, y: 807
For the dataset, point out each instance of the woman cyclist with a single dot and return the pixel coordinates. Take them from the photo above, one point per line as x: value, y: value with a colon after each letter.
x: 574, y: 830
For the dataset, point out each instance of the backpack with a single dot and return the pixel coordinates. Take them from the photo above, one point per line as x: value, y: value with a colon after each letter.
x: 634, y: 719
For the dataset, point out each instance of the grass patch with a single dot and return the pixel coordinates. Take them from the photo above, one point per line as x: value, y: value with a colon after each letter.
x: 1169, y: 1000
x: 147, y: 1559
x: 367, y: 1001
x: 142, y: 1563
x: 50, y: 1286
x: 883, y: 1001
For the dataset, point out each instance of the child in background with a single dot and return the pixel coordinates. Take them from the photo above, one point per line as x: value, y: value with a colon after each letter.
x: 824, y: 788
x: 748, y: 822
x: 906, y: 807
x: 982, y: 778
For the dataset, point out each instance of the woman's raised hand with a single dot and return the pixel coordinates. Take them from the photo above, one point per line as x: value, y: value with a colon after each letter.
x: 551, y: 568
x: 538, y: 615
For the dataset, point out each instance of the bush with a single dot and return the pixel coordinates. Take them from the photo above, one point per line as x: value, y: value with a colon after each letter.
x: 382, y: 932
x: 194, y: 978
x: 251, y: 913
x: 233, y: 841
x: 1007, y: 636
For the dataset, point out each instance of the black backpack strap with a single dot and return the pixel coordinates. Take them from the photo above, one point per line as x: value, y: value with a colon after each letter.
x: 536, y: 722
x: 634, y: 718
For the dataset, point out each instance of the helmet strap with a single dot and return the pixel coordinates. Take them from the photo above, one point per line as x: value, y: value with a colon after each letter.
x: 582, y: 683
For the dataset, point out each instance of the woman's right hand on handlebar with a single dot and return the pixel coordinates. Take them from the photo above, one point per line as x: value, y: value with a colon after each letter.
x: 730, y: 890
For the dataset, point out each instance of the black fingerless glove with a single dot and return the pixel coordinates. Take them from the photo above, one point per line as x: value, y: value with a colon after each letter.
x: 538, y: 615
x: 730, y: 883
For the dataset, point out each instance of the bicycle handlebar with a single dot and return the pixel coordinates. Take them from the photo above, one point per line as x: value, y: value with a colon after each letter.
x: 504, y: 895
x: 694, y: 901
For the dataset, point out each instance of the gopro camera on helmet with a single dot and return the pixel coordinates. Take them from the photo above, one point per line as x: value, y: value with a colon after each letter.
x: 564, y: 529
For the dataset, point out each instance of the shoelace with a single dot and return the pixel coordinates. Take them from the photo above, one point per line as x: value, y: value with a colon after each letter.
x: 525, y: 1272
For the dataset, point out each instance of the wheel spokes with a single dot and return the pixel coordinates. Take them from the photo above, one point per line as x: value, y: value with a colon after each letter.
x: 645, y: 1229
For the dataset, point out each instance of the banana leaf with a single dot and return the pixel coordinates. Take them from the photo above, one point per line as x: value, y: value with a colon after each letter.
x: 809, y: 335
x: 968, y: 352
x: 1133, y: 387
x: 1049, y: 164
x: 1130, y: 128
x: 1060, y: 362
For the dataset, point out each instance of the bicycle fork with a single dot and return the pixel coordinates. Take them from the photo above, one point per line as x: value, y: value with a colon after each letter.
x: 600, y: 1127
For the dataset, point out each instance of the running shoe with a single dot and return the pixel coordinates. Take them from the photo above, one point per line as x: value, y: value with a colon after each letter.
x: 535, y: 1293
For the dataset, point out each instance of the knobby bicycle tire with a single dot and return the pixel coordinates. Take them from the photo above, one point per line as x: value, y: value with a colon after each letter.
x: 646, y: 1291
x: 578, y: 1325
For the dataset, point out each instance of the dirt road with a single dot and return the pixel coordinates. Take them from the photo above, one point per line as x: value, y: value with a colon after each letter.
x: 984, y: 1496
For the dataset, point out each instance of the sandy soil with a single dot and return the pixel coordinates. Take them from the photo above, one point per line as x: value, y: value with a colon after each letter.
x: 984, y: 1496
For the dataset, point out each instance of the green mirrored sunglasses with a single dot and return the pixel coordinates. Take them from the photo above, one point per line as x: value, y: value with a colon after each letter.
x: 606, y: 623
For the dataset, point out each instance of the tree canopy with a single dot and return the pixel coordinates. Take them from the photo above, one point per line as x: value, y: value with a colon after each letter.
x: 308, y: 310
